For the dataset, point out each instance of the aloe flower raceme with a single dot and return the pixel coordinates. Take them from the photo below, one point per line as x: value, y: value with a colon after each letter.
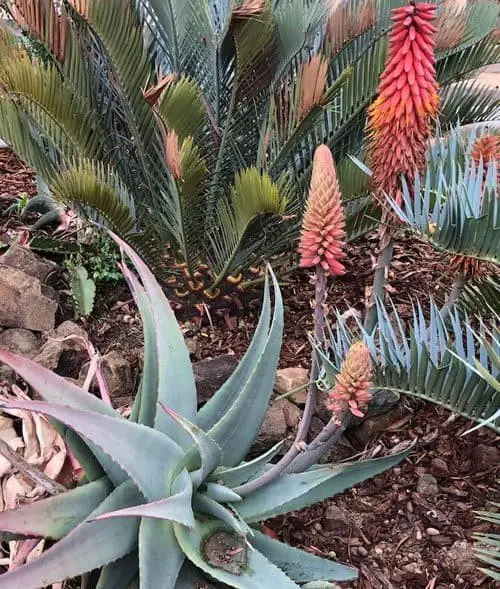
x: 323, y: 228
x: 399, y: 119
x: 486, y: 149
x: 352, y: 384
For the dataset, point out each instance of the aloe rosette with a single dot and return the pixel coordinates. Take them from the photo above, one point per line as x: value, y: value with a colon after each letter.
x: 160, y: 505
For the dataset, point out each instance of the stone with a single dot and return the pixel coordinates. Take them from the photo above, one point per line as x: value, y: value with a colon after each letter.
x: 281, y: 421
x: 20, y: 341
x: 427, y: 485
x: 64, y: 350
x: 288, y: 379
x: 211, y: 374
x: 26, y: 260
x: 23, y: 303
x: 117, y: 372
x: 335, y: 521
x: 485, y: 457
x: 365, y: 431
x: 439, y: 467
x: 459, y: 558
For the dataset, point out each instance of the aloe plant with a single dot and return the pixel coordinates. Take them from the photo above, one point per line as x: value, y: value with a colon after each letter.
x: 168, y: 499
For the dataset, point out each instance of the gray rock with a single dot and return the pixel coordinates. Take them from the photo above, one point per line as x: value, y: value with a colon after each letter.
x: 23, y: 304
x: 371, y: 426
x: 427, y: 485
x: 336, y: 521
x: 24, y: 259
x: 20, y: 341
x: 62, y: 355
x: 117, y: 372
x: 459, y: 558
x: 288, y: 379
x: 211, y: 374
x: 280, y: 423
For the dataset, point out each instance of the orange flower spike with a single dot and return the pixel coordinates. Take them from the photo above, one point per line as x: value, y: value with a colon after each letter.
x: 352, y: 384
x: 399, y: 119
x: 323, y: 227
x: 485, y: 149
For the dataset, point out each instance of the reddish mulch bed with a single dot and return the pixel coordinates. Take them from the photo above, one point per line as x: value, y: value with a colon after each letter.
x: 399, y: 537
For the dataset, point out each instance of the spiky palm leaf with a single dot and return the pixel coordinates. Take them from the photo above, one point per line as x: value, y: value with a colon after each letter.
x: 230, y: 74
x: 431, y: 359
x: 487, y: 546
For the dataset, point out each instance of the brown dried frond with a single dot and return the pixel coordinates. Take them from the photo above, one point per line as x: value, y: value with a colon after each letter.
x: 173, y: 154
x: 81, y: 6
x: 40, y: 19
x: 346, y: 21
x: 248, y: 9
x: 153, y: 94
x: 312, y: 83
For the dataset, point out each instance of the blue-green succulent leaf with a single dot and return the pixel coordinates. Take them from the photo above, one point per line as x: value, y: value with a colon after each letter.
x: 299, y: 565
x: 190, y: 577
x: 160, y: 556
x: 238, y: 428
x: 221, y: 493
x: 219, y: 404
x: 56, y: 516
x: 176, y: 386
x: 295, y: 491
x: 119, y: 574
x: 125, y: 442
x: 258, y: 571
x: 208, y: 506
x: 245, y: 471
x: 89, y: 546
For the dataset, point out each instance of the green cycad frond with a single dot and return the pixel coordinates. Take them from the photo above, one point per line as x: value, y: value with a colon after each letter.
x: 182, y: 108
x: 52, y: 106
x: 417, y: 360
x: 487, y: 546
x: 468, y: 101
x: 251, y: 220
x: 481, y: 297
x: 457, y: 214
x: 91, y: 186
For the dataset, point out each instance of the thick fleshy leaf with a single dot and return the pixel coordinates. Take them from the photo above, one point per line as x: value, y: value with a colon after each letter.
x: 299, y: 565
x: 89, y: 546
x: 160, y: 556
x: 119, y: 574
x: 145, y: 402
x: 258, y: 571
x: 221, y: 493
x: 55, y: 389
x: 87, y: 454
x: 191, y: 577
x: 176, y: 386
x: 56, y: 516
x: 206, y: 505
x: 245, y: 471
x: 219, y: 404
x: 207, y: 454
x: 295, y: 491
x: 127, y: 443
x: 174, y: 508
x: 238, y: 428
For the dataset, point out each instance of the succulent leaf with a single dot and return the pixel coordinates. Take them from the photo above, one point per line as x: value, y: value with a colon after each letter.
x: 238, y: 428
x: 232, y: 477
x: 220, y: 403
x: 160, y: 557
x: 295, y: 491
x: 120, y: 573
x: 261, y: 572
x: 299, y: 565
x: 89, y: 546
x: 56, y: 516
x: 110, y: 434
x: 176, y: 387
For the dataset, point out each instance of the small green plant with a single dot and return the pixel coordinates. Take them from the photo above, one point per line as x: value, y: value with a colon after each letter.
x: 168, y: 499
x: 82, y: 290
x: 101, y: 258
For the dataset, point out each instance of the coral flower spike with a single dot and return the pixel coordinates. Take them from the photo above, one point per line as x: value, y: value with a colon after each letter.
x: 323, y: 228
x: 399, y: 119
x: 352, y: 384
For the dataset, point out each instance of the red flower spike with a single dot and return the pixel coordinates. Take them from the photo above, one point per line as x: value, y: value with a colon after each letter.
x: 485, y: 149
x: 323, y: 227
x: 399, y: 119
x: 352, y: 384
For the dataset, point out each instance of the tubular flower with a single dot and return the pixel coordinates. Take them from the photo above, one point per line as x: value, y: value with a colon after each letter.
x: 399, y: 119
x: 353, y: 382
x: 485, y: 149
x: 322, y: 236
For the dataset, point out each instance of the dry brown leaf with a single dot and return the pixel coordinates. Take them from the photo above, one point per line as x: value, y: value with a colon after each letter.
x: 8, y: 434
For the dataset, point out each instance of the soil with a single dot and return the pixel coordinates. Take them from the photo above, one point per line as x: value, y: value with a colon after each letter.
x: 402, y: 529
